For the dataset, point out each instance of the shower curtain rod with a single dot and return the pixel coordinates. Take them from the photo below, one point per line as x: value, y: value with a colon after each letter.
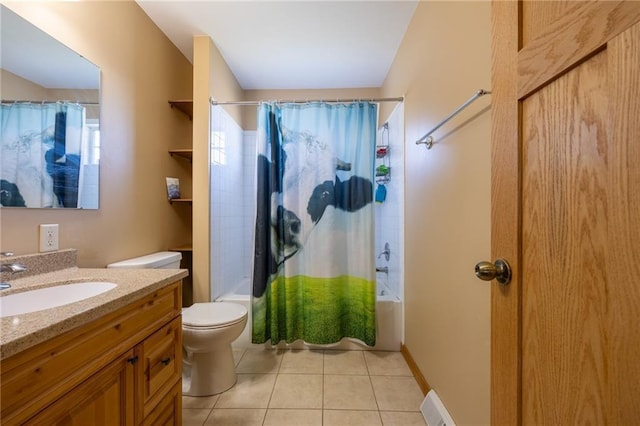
x: 255, y: 103
x: 6, y: 101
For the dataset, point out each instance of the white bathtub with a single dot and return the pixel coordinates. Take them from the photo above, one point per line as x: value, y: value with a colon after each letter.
x: 388, y: 322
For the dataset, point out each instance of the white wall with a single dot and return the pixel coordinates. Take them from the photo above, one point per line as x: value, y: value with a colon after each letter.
x: 390, y: 214
x: 229, y: 240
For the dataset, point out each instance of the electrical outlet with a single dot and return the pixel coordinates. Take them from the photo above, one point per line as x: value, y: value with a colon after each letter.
x: 48, y: 237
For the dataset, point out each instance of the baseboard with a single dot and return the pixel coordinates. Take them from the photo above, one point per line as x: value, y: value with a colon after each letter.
x: 417, y: 374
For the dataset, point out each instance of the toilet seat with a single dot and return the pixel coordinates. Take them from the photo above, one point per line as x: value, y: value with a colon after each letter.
x: 212, y: 315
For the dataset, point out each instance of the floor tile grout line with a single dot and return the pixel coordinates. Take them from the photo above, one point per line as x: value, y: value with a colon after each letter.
x: 322, y: 393
x: 375, y: 397
x: 270, y: 397
x: 324, y: 373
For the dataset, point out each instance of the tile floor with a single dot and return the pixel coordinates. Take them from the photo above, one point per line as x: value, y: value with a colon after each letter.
x: 314, y: 388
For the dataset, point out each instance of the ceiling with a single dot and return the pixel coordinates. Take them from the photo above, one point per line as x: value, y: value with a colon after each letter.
x: 32, y: 54
x: 297, y: 44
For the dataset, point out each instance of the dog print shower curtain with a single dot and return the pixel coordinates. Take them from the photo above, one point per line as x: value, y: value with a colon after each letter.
x: 314, y: 272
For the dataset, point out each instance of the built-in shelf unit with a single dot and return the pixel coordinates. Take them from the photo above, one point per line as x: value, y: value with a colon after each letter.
x: 186, y: 107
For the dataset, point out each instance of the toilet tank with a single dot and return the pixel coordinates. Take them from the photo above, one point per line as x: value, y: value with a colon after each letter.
x: 160, y: 260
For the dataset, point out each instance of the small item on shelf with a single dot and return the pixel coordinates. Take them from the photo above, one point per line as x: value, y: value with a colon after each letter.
x: 381, y: 193
x: 173, y: 188
x: 381, y: 151
x: 382, y: 170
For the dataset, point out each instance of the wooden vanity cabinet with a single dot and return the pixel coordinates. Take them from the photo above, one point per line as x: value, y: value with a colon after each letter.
x: 106, y: 398
x: 121, y: 369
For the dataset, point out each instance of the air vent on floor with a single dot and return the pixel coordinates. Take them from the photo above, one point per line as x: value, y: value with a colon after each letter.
x: 434, y: 412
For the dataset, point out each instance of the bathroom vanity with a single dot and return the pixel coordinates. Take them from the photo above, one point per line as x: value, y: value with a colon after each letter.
x: 110, y: 359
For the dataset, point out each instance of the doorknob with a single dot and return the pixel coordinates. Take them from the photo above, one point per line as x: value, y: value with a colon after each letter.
x: 501, y: 271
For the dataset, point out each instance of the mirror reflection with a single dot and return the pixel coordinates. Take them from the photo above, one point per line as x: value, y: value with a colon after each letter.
x: 50, y: 115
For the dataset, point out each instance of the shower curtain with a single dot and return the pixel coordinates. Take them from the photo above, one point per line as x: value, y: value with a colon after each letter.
x: 314, y: 272
x: 40, y: 154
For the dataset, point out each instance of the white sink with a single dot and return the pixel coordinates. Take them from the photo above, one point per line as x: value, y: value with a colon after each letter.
x: 51, y: 297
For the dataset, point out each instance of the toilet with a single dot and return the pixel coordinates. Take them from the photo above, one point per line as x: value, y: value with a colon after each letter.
x: 160, y: 260
x: 208, y: 329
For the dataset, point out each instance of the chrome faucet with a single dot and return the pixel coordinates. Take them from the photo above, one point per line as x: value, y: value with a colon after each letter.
x: 13, y: 268
x: 386, y: 252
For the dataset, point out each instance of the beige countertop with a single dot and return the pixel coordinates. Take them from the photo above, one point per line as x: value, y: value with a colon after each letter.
x: 20, y: 332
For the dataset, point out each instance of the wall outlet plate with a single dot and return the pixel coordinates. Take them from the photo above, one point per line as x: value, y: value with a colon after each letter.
x: 48, y: 237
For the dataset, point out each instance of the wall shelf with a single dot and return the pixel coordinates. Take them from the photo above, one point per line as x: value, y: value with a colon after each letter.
x: 183, y: 153
x: 186, y: 106
x: 181, y: 200
x: 185, y: 247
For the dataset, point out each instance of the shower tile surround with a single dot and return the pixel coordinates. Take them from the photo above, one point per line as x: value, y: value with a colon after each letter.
x: 233, y: 163
x: 309, y: 387
x: 390, y: 214
x: 233, y: 180
x: 232, y: 171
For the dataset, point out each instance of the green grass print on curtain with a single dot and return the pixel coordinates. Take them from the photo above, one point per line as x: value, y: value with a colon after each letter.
x: 330, y: 308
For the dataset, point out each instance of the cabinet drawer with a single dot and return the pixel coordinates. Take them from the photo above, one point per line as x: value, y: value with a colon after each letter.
x: 161, y: 357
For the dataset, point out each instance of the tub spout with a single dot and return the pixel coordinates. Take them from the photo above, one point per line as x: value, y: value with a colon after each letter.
x: 384, y: 269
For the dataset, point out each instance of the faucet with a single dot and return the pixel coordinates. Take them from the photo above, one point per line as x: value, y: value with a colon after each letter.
x: 386, y: 252
x: 384, y: 269
x: 13, y: 268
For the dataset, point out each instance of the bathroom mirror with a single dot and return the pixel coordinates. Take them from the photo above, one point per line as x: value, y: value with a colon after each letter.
x: 50, y: 115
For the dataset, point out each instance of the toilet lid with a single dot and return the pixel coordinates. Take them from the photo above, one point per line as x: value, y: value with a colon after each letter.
x: 213, y: 314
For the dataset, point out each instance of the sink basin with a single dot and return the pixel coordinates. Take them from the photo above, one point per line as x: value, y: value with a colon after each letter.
x: 51, y: 297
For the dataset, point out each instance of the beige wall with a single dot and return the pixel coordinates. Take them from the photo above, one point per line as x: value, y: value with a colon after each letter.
x: 213, y: 79
x: 16, y: 88
x: 444, y: 58
x: 140, y: 71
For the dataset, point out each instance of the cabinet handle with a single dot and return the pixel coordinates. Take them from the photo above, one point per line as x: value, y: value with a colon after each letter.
x: 133, y: 359
x: 166, y: 361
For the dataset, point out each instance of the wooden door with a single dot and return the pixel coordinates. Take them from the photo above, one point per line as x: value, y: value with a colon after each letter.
x: 566, y: 212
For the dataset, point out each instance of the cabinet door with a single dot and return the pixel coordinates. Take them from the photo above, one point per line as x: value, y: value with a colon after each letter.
x: 161, y: 361
x: 105, y: 399
x: 169, y: 411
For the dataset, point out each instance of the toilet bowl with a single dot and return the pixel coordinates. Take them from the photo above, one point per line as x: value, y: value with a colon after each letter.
x: 208, y: 329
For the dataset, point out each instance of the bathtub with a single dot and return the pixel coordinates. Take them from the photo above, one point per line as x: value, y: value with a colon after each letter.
x: 388, y: 323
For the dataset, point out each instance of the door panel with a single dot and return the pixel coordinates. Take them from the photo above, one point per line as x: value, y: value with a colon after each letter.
x: 564, y: 243
x: 570, y: 40
x: 566, y: 212
x: 623, y: 199
x: 536, y: 16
